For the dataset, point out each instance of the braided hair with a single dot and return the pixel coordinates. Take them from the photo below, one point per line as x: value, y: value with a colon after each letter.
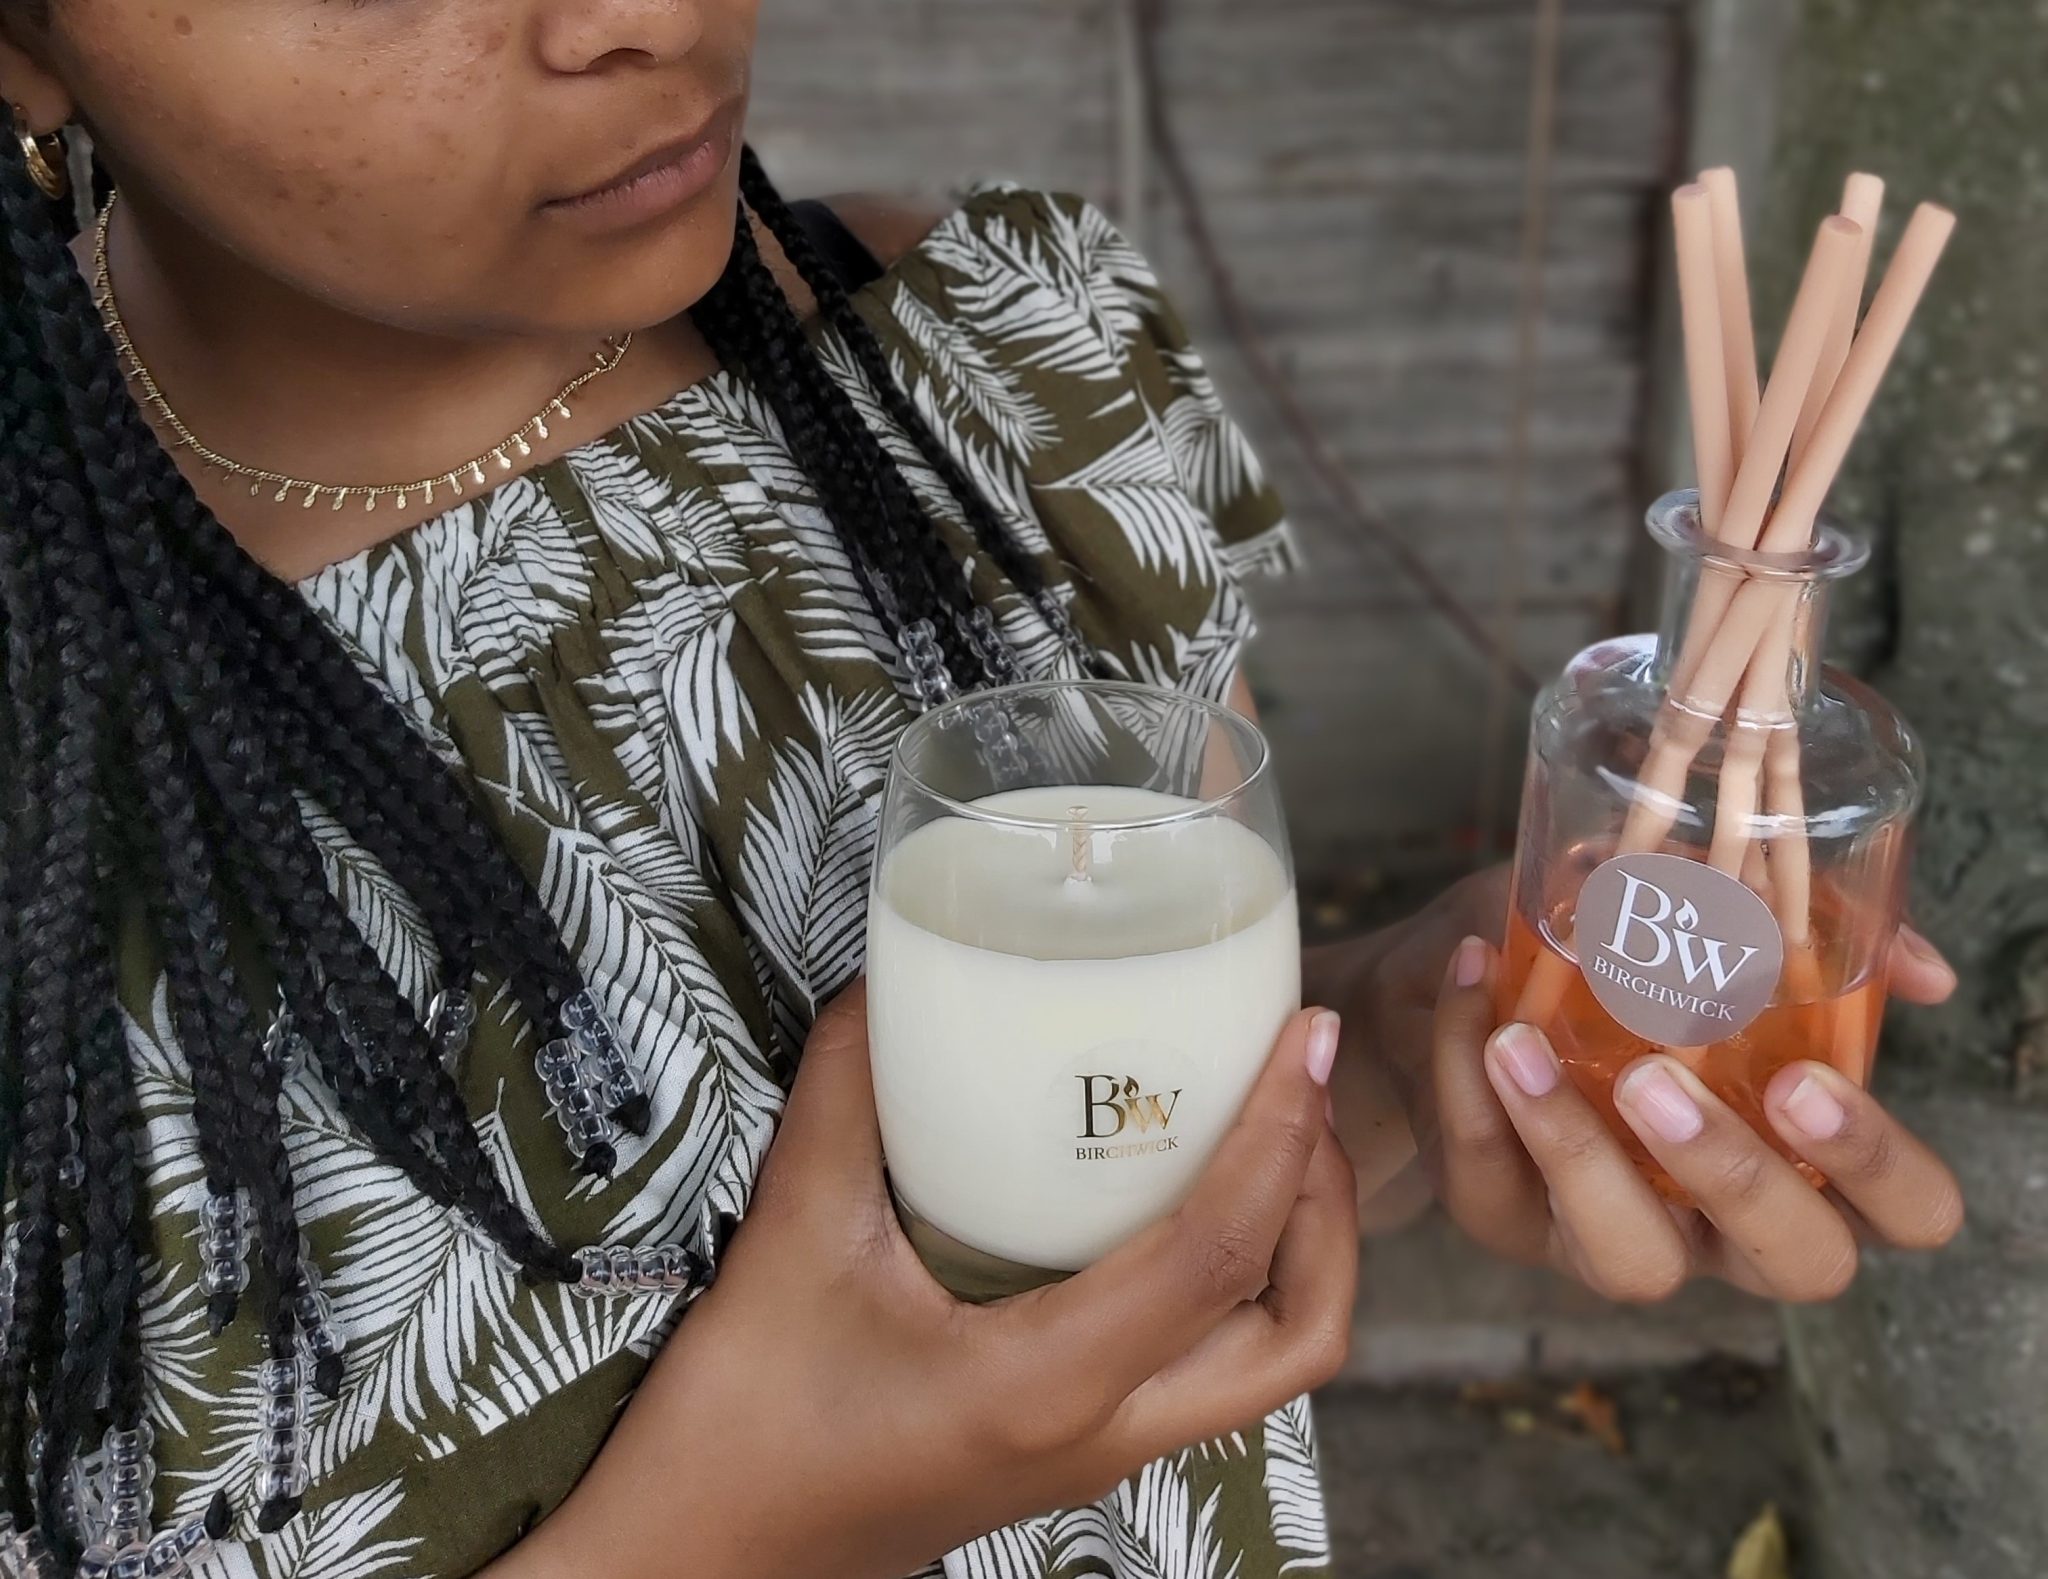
x: 166, y: 709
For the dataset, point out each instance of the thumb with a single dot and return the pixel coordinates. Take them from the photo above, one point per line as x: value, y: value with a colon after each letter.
x: 829, y: 1133
x: 1149, y: 1301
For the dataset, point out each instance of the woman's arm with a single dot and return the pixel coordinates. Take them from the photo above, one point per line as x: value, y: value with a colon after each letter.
x: 827, y: 1411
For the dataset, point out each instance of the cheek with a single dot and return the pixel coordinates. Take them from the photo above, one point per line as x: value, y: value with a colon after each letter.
x: 341, y: 164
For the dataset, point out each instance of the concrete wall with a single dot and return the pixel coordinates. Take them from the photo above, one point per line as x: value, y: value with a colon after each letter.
x: 1925, y: 1393
x: 1364, y: 162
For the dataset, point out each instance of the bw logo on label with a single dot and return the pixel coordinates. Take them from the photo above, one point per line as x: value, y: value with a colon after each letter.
x: 1678, y: 953
x: 1114, y: 1108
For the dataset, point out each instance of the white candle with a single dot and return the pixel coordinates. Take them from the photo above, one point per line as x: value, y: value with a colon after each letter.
x: 1066, y: 1019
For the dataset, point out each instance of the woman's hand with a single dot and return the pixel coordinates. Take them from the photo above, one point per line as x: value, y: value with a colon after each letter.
x: 1528, y: 1167
x: 827, y: 1409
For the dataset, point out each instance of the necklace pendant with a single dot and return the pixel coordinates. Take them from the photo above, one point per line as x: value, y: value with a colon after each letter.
x: 177, y: 437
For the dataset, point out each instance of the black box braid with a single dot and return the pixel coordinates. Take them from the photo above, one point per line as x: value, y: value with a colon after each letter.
x: 165, y: 700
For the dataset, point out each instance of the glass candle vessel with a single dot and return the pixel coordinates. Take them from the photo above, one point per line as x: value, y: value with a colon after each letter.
x: 1082, y: 943
x: 1722, y: 882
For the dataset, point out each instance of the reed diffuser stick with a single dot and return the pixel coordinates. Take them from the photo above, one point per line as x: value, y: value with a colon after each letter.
x: 1706, y: 364
x: 1884, y: 327
x: 1791, y: 526
x: 1863, y: 204
x: 1829, y: 273
x: 1719, y: 652
x: 1764, y: 723
x: 1738, y: 326
x: 1783, y: 875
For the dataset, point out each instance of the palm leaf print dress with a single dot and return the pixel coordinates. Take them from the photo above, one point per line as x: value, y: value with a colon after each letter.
x: 652, y: 661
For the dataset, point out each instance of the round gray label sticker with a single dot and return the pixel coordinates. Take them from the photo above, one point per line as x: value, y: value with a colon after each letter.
x: 1677, y: 952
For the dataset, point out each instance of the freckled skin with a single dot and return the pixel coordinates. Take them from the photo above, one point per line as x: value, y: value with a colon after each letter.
x: 333, y: 245
x: 388, y: 158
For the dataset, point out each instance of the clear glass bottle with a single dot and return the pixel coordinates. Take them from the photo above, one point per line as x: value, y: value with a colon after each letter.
x: 1737, y: 908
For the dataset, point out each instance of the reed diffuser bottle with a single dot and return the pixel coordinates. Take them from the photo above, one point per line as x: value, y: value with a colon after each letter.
x: 1716, y: 828
x: 1736, y: 909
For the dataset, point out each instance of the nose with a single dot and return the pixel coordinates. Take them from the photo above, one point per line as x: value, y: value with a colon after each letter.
x: 578, y: 36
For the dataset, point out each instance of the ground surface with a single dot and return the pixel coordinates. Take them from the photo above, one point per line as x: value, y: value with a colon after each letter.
x: 1467, y: 1440
x: 1428, y: 1483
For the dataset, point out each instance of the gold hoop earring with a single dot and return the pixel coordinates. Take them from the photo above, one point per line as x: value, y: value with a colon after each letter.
x: 46, y: 161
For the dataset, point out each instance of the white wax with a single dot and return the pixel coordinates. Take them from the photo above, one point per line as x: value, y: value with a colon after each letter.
x: 1055, y: 1061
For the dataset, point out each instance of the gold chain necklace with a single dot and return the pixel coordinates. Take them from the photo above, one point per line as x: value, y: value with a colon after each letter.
x: 457, y: 482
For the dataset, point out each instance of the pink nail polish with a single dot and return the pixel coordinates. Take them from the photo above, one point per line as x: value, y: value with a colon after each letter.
x: 1322, y: 1046
x: 1655, y: 1098
x: 1814, y: 1110
x: 1525, y: 1053
x: 1469, y: 967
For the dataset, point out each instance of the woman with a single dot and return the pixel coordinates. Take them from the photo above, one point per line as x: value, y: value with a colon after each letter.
x: 350, y: 702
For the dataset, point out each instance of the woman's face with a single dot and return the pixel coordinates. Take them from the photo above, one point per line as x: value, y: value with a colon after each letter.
x: 451, y: 166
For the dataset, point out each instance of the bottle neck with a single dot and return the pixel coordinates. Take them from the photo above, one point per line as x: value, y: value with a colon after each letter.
x: 1727, y: 638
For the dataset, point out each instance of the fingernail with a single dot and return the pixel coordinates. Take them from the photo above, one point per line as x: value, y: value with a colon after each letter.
x: 1918, y: 944
x: 1813, y: 1108
x: 1925, y: 952
x: 1468, y: 966
x: 1322, y: 1046
x: 1654, y: 1096
x: 1525, y: 1053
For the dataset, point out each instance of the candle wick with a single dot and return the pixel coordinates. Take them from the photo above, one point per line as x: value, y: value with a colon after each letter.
x: 1081, y: 847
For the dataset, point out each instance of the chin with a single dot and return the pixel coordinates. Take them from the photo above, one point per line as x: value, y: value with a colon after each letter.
x: 647, y: 276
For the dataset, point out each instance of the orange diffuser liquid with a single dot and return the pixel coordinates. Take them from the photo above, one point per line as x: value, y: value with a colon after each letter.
x: 1841, y: 1030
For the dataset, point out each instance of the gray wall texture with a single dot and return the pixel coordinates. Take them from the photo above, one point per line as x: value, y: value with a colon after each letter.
x: 1363, y: 162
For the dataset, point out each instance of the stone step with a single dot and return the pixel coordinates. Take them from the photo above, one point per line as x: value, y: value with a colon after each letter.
x: 1435, y: 1308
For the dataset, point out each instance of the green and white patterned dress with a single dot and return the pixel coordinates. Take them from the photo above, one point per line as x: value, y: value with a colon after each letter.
x: 652, y: 660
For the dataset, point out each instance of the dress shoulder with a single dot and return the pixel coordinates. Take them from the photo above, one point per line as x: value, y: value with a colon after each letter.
x: 1044, y: 302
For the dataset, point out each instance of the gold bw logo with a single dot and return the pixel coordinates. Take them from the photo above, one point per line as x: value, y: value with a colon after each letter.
x: 1112, y: 1108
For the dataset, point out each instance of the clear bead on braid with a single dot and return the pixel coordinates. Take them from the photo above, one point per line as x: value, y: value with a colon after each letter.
x: 224, y: 1253
x: 451, y: 1021
x: 127, y: 1477
x: 286, y: 1387
x: 318, y: 1330
x: 590, y: 1087
x: 662, y: 1269
x: 284, y: 1044
x: 930, y: 680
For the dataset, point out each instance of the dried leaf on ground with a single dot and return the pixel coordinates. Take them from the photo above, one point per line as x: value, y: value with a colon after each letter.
x: 1599, y: 1414
x: 1763, y: 1552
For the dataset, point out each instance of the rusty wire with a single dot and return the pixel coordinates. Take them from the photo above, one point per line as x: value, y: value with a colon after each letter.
x: 1544, y: 66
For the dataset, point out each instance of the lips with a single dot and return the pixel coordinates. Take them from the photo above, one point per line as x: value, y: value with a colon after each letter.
x: 714, y: 133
